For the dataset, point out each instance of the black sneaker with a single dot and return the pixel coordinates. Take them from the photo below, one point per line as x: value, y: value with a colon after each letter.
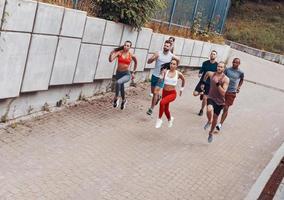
x: 200, y: 112
x: 123, y: 104
x: 116, y: 103
x: 150, y: 111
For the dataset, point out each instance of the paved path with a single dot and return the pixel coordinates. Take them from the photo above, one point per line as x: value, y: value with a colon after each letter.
x: 95, y: 152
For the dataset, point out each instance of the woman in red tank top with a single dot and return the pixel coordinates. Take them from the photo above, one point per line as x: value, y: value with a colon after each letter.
x: 124, y: 58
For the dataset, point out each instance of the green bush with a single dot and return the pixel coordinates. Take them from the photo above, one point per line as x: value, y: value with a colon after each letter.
x: 132, y: 12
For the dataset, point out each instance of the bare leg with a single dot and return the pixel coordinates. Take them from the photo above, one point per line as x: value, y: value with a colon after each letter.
x: 209, y: 113
x: 214, y: 123
x: 225, y: 114
x: 204, y: 102
x: 155, y: 97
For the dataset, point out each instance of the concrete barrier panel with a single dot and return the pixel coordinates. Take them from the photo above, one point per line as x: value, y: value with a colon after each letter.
x: 220, y: 51
x: 201, y: 60
x: 14, y: 48
x: 65, y: 61
x: 281, y: 59
x: 105, y: 69
x: 20, y: 15
x: 206, y: 50
x: 197, y: 49
x: 157, y: 42
x: 94, y: 30
x: 113, y: 33
x: 73, y: 24
x: 187, y: 47
x: 184, y: 61
x: 2, y: 4
x: 194, y: 62
x: 129, y: 34
x: 178, y: 46
x: 87, y: 63
x: 144, y: 38
x: 39, y: 64
x: 152, y: 65
x: 227, y: 52
x: 48, y: 19
x: 141, y: 55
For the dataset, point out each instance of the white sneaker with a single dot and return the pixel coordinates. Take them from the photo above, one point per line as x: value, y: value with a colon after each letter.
x: 171, y: 121
x: 158, y: 123
x: 151, y: 95
x: 219, y: 126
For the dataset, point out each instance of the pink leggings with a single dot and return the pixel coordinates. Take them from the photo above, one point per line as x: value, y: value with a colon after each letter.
x: 168, y: 97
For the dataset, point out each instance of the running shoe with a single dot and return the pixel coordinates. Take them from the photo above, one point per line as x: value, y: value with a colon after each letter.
x: 200, y: 112
x: 116, y: 103
x: 219, y: 126
x: 158, y: 123
x: 123, y: 104
x: 150, y: 111
x: 210, y: 138
x: 151, y: 95
x: 207, y: 125
x: 171, y: 121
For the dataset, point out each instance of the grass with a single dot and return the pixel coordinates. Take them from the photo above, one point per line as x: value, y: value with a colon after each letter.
x: 257, y: 25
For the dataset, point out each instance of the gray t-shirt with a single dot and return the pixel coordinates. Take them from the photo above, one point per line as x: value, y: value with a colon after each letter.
x: 235, y: 75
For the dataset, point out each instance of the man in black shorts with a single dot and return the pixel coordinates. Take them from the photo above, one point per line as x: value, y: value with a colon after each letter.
x: 203, y: 89
x: 219, y: 83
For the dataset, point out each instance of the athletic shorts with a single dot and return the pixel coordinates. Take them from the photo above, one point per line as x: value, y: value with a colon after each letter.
x: 229, y: 98
x: 217, y: 108
x: 157, y: 82
x: 206, y: 88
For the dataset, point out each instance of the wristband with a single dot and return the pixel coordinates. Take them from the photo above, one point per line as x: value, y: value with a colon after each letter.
x: 181, y: 89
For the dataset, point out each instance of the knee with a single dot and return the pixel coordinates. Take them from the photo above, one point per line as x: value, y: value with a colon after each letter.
x: 209, y: 108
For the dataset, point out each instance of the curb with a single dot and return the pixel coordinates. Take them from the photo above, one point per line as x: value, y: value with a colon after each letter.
x: 261, y: 181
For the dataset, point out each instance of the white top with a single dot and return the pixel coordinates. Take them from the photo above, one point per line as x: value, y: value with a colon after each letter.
x: 162, y: 59
x: 171, y: 81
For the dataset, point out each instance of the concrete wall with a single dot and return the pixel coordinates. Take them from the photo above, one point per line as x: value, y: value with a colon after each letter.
x: 257, y: 52
x: 48, y: 52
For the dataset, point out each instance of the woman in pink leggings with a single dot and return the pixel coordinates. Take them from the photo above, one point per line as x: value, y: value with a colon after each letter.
x: 169, y: 92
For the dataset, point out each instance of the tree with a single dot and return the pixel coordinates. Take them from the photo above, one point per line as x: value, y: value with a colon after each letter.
x: 132, y: 12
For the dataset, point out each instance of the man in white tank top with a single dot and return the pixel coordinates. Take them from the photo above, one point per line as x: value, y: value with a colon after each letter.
x: 161, y: 57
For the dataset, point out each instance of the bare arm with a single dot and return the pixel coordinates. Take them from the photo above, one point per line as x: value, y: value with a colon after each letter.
x: 153, y: 58
x: 134, y: 58
x: 223, y: 88
x: 206, y: 76
x: 113, y: 55
x: 181, y: 76
x: 240, y: 84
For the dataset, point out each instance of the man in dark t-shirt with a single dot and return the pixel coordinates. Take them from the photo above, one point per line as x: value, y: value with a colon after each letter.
x: 201, y: 89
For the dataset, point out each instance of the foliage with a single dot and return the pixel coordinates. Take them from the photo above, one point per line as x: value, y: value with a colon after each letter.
x: 132, y: 12
x: 258, y: 25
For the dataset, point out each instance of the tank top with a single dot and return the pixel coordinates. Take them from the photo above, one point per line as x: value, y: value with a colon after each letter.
x: 162, y: 59
x: 214, y: 93
x: 171, y: 81
x: 126, y: 60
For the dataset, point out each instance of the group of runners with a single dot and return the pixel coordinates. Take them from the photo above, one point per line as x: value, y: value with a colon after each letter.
x: 217, y: 87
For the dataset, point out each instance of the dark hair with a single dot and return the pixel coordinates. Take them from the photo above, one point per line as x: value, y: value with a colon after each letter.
x: 168, y: 42
x: 172, y: 38
x: 176, y: 60
x: 121, y: 47
x: 214, y: 51
x: 236, y: 59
